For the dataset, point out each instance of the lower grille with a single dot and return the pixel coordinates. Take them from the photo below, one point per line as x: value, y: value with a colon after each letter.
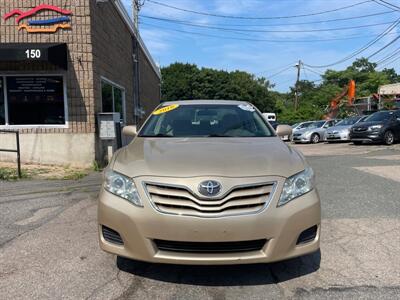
x: 307, y: 235
x: 210, y: 247
x: 111, y: 236
x: 180, y: 200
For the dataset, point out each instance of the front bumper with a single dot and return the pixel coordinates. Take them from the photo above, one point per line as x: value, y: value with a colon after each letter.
x: 341, y: 136
x: 139, y: 228
x: 301, y: 139
x: 367, y: 136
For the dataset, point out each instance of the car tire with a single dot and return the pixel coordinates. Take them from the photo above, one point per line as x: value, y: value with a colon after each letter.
x: 388, y: 138
x: 315, y: 138
x: 357, y: 143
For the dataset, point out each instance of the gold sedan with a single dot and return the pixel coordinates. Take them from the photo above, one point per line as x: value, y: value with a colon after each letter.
x: 208, y: 182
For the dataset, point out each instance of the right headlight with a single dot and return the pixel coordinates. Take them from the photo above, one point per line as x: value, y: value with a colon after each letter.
x: 297, y: 185
x: 374, y: 127
x: 121, y: 186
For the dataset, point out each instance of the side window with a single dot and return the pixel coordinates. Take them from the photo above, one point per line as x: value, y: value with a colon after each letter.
x: 112, y: 99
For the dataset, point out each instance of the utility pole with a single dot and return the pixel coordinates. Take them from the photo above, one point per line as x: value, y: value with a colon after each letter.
x: 135, y: 45
x: 296, y: 93
x: 135, y: 13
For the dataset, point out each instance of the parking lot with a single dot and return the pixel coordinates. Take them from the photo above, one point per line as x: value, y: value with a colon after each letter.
x: 49, y: 248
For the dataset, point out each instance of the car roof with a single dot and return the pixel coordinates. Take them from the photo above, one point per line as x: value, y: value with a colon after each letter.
x: 205, y: 102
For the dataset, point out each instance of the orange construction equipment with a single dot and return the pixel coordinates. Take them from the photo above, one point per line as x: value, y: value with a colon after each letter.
x: 350, y: 91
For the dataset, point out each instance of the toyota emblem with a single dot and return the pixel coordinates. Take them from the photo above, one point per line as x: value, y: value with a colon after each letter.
x: 209, y: 188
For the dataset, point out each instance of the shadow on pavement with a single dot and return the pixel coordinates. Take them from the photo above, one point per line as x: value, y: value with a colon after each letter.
x: 231, y: 275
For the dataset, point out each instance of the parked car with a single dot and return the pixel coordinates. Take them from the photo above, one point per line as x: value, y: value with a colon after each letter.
x: 341, y: 131
x: 225, y: 190
x: 312, y: 133
x: 301, y: 125
x: 382, y: 126
x: 270, y: 117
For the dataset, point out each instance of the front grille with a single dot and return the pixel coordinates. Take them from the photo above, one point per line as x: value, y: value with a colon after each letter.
x: 181, y: 201
x: 297, y: 134
x: 210, y: 247
x: 111, y: 236
x: 360, y: 129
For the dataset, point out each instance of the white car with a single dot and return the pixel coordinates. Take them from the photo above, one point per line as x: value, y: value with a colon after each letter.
x: 270, y: 117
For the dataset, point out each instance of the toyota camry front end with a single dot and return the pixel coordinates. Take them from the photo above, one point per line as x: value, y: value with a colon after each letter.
x: 208, y: 182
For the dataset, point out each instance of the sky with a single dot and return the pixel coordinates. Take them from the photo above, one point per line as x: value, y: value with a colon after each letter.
x: 224, y: 48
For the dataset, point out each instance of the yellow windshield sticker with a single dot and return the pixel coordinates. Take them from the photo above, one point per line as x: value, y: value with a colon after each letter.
x: 165, y: 109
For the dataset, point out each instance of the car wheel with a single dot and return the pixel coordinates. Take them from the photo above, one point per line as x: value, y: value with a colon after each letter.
x: 357, y: 142
x: 315, y: 138
x: 388, y: 138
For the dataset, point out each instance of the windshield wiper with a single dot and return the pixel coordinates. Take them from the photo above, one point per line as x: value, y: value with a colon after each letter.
x: 158, y: 135
x: 218, y: 135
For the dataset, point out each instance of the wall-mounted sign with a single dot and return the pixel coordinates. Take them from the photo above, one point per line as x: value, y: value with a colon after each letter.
x: 55, y: 54
x: 49, y: 25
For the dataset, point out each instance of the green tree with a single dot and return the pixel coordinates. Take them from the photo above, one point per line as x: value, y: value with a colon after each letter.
x: 187, y: 81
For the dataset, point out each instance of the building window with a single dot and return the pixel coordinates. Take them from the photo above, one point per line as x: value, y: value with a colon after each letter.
x: 113, y: 98
x: 2, y: 104
x: 32, y: 100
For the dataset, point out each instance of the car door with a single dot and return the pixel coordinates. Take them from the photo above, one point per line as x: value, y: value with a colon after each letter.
x: 327, y: 125
x: 396, y: 125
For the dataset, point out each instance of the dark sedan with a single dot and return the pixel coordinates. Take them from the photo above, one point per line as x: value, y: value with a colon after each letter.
x: 382, y: 126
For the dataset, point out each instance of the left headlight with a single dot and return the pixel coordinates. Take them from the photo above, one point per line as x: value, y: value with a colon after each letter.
x: 297, y: 185
x: 121, y: 186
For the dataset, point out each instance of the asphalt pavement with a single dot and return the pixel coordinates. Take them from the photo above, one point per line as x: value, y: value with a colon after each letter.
x: 49, y: 247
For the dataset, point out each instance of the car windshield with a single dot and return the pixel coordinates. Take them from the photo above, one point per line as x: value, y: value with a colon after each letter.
x: 306, y: 125
x: 348, y: 121
x: 379, y: 116
x: 206, y: 120
x: 318, y: 124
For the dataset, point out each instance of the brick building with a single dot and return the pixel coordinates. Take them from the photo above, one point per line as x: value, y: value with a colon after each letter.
x: 61, y: 63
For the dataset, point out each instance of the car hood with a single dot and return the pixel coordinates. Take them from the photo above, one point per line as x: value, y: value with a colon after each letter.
x: 367, y: 124
x: 190, y: 157
x: 307, y: 130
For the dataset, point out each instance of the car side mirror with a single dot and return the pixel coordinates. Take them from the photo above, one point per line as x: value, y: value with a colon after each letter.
x: 130, y: 130
x: 284, y: 130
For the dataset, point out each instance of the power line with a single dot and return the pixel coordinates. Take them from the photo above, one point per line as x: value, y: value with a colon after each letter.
x: 258, y: 18
x: 267, y: 31
x: 384, y: 47
x: 313, y: 71
x: 277, y: 68
x: 349, y: 37
x: 362, y: 49
x: 383, y: 4
x: 388, y: 57
x: 381, y: 67
x: 280, y: 72
x: 390, y: 4
x: 270, y: 25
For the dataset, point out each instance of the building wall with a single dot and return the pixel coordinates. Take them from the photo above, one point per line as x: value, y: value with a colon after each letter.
x: 99, y: 45
x: 112, y: 53
x: 80, y: 96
